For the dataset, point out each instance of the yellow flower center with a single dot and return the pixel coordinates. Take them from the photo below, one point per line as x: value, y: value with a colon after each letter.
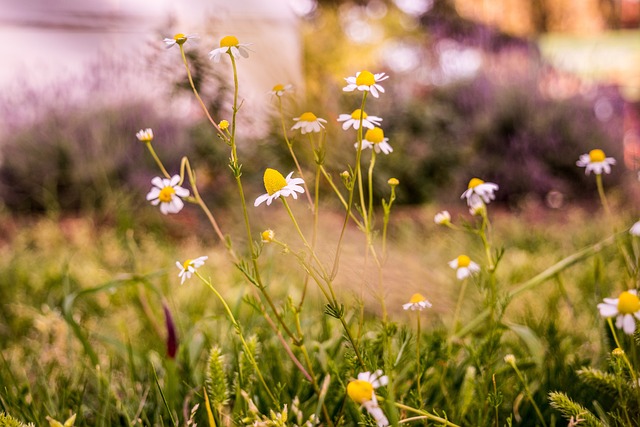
x: 277, y: 88
x: 415, y: 298
x: 273, y: 181
x: 229, y: 41
x: 224, y: 124
x: 267, y: 236
x: 475, y: 182
x: 375, y: 135
x: 166, y: 194
x: 356, y: 114
x: 596, y: 155
x: 360, y: 391
x: 365, y: 78
x: 628, y: 303
x: 187, y: 264
x: 463, y: 261
x: 308, y: 117
x: 393, y: 182
x: 180, y: 38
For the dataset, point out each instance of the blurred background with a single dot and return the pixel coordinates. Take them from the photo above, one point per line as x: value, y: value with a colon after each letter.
x: 510, y: 91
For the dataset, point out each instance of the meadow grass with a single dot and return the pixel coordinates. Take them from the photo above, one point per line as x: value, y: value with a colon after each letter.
x: 311, y: 312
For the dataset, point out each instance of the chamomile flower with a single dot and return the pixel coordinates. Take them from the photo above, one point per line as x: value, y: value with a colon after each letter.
x: 231, y: 45
x: 417, y: 302
x: 365, y: 81
x: 308, y: 122
x: 267, y: 236
x: 179, y: 39
x: 223, y: 125
x: 596, y: 161
x: 464, y: 266
x: 478, y: 189
x: 145, y: 135
x: 168, y: 194
x: 189, y: 267
x: 280, y: 89
x: 442, y: 218
x: 374, y: 138
x: 625, y: 308
x: 362, y: 392
x: 277, y: 185
x: 353, y: 120
x: 635, y: 229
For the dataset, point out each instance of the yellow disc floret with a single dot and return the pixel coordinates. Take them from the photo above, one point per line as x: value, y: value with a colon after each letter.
x: 187, y: 264
x: 356, y: 114
x: 475, y: 182
x: 229, y: 41
x: 375, y: 135
x: 273, y: 181
x: 415, y: 298
x: 463, y: 261
x: 360, y: 391
x: 166, y: 194
x: 365, y: 78
x: 277, y: 88
x: 628, y: 303
x: 393, y: 182
x: 180, y: 38
x: 308, y: 117
x: 224, y: 124
x: 597, y: 155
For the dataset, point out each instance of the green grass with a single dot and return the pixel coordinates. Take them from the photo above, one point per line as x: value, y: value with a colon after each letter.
x: 83, y: 329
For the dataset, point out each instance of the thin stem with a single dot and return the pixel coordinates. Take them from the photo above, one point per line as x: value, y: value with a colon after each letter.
x: 603, y: 197
x: 456, y: 313
x: 425, y: 414
x: 195, y: 92
x: 418, y: 332
x: 370, y: 182
x: 528, y: 393
x: 157, y: 159
x: 238, y: 329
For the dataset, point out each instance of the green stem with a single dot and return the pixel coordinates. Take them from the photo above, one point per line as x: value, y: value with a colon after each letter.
x: 157, y: 160
x: 425, y: 414
x: 528, y: 393
x: 418, y: 332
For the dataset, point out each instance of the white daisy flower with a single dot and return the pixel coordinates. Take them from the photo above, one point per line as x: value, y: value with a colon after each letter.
x: 635, y: 229
x: 464, y: 267
x: 353, y: 120
x: 478, y: 189
x: 168, y: 194
x: 361, y: 391
x: 625, y: 308
x: 365, y: 81
x: 308, y: 122
x: 277, y: 185
x: 374, y: 138
x: 267, y: 236
x: 596, y: 161
x: 189, y: 267
x: 145, y: 135
x: 179, y: 39
x: 280, y: 90
x: 417, y: 302
x: 442, y: 218
x: 476, y: 205
x: 231, y: 45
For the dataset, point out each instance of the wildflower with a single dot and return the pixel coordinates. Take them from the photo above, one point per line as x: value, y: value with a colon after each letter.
x: 479, y: 191
x: 223, y: 125
x: 617, y: 352
x: 308, y: 122
x: 596, y: 161
x: 361, y: 391
x: 145, y: 135
x: 417, y: 302
x: 280, y: 89
x: 635, y: 229
x: 277, y: 185
x: 510, y: 359
x: 464, y: 267
x: 374, y: 138
x: 230, y: 45
x: 476, y: 205
x: 168, y: 194
x: 625, y: 308
x: 267, y: 236
x: 353, y: 120
x: 365, y: 81
x: 189, y: 267
x: 442, y: 218
x: 179, y: 39
x: 393, y: 182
